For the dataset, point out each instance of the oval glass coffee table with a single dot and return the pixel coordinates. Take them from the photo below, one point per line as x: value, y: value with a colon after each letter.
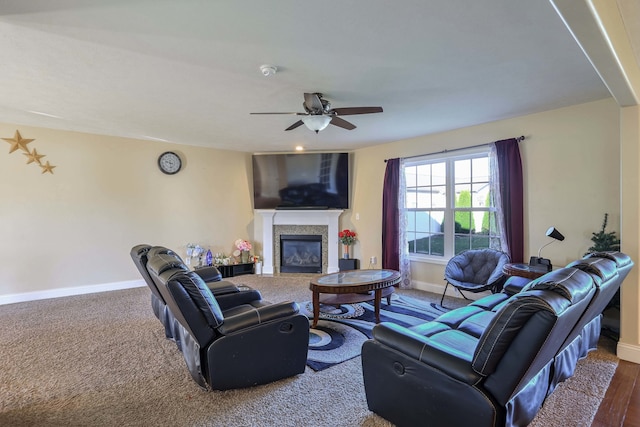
x: 351, y: 286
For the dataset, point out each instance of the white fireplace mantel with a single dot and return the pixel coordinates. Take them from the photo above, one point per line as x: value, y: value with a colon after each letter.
x: 267, y: 218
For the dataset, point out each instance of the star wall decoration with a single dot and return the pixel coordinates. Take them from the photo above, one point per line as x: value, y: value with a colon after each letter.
x: 33, y: 156
x: 47, y: 168
x: 18, y: 142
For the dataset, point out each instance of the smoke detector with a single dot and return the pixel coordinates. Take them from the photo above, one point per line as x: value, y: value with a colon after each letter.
x: 268, y: 70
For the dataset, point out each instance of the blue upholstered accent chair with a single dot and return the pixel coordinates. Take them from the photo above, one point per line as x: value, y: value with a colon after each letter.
x: 476, y: 270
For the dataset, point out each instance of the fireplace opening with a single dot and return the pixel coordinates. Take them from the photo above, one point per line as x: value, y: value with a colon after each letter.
x: 300, y: 253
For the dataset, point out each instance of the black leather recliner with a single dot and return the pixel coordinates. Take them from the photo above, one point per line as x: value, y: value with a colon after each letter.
x: 234, y: 340
x: 140, y: 255
x: 493, y: 362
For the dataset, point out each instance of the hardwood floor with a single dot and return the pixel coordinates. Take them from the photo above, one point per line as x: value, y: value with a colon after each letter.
x: 621, y: 404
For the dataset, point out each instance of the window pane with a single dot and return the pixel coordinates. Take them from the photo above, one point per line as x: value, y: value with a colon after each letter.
x: 464, y: 222
x: 423, y: 200
x: 437, y: 244
x: 479, y: 241
x: 437, y: 220
x: 462, y: 171
x: 422, y: 243
x: 478, y: 218
x: 439, y: 197
x: 462, y: 243
x: 489, y: 223
x: 423, y: 175
x: 463, y: 196
x: 480, y: 168
x: 480, y: 193
x: 423, y: 222
x: 411, y: 240
x: 410, y: 198
x: 430, y: 244
x: 429, y: 221
x: 439, y: 173
x: 411, y: 220
x: 410, y: 176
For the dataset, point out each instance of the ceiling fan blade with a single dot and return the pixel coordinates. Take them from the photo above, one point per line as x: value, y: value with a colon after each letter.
x: 297, y: 114
x: 295, y: 125
x: 337, y: 121
x: 356, y: 110
x: 312, y: 102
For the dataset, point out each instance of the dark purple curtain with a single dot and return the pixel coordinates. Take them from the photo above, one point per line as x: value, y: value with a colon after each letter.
x: 511, y: 192
x: 391, y: 216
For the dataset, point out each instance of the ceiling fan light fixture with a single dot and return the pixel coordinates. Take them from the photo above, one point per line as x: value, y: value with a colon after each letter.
x: 316, y: 122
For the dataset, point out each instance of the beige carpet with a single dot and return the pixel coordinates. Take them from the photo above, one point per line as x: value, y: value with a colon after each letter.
x: 102, y: 360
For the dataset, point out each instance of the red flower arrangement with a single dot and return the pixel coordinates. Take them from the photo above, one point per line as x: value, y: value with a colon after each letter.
x: 347, y: 237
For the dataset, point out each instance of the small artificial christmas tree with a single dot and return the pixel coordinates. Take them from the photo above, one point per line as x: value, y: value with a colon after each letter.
x: 603, y: 241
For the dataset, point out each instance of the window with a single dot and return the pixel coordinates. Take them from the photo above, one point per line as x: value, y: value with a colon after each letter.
x: 449, y: 206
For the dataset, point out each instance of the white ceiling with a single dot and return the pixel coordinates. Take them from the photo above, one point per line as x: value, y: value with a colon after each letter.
x: 188, y: 71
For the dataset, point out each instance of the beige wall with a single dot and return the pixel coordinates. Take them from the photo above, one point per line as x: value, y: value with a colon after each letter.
x: 629, y: 345
x: 76, y: 227
x: 571, y: 162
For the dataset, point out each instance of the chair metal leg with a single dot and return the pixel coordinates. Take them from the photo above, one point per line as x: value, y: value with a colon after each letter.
x: 445, y: 291
x: 463, y: 295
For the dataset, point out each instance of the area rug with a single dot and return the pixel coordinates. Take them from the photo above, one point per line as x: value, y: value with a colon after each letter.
x: 342, y: 330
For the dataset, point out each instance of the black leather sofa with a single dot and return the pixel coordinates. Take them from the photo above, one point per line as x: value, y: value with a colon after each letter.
x: 493, y: 362
x: 228, y: 339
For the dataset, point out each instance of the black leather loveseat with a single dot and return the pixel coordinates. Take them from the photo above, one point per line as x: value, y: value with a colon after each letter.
x: 493, y: 362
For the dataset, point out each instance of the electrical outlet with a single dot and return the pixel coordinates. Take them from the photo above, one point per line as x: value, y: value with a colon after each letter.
x: 373, y: 260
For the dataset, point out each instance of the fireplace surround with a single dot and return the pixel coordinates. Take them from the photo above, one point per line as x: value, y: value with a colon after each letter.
x: 268, y: 222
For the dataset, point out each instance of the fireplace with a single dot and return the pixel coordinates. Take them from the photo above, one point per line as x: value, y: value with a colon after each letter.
x: 271, y: 223
x: 300, y: 253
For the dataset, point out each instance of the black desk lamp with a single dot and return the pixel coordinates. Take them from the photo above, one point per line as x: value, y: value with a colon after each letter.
x: 544, y: 263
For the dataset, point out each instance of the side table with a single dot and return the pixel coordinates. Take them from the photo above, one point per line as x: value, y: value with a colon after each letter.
x: 235, y: 269
x: 348, y: 264
x: 523, y: 270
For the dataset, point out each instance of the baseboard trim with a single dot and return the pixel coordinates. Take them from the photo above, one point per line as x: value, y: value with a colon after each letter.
x: 628, y: 352
x: 65, y: 292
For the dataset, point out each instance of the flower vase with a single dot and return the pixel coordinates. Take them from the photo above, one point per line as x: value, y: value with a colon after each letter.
x: 244, y: 257
x: 345, y: 252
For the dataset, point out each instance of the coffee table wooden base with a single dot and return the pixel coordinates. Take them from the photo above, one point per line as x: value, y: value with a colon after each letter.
x: 353, y: 286
x: 338, y: 299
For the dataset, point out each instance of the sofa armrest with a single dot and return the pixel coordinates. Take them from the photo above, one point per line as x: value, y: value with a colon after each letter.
x: 448, y: 359
x: 227, y: 301
x: 514, y: 284
x: 222, y: 287
x: 258, y: 316
x: 209, y: 274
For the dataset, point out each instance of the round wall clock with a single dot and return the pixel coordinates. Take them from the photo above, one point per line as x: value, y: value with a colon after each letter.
x: 169, y: 163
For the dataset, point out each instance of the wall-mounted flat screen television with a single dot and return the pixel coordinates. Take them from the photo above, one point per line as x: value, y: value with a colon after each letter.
x: 301, y: 181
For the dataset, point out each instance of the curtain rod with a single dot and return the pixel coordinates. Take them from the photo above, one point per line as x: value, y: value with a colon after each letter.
x: 518, y: 139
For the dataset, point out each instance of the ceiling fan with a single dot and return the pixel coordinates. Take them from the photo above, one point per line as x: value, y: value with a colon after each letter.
x: 319, y: 114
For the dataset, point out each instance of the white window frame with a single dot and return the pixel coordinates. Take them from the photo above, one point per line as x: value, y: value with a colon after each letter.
x: 449, y: 209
